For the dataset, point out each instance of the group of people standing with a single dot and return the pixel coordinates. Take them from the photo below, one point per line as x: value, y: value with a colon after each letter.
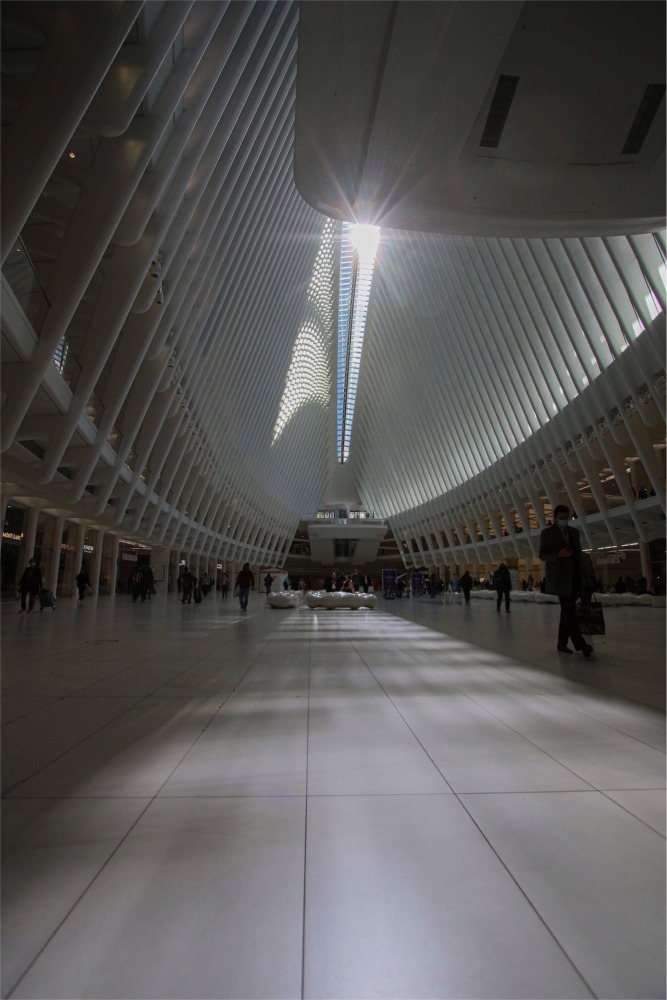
x: 348, y: 583
x: 192, y: 587
x: 142, y: 584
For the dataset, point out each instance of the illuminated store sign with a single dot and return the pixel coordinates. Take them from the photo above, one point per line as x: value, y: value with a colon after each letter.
x: 133, y: 545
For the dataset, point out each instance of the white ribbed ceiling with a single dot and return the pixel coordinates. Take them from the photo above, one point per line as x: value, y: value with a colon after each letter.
x: 170, y: 299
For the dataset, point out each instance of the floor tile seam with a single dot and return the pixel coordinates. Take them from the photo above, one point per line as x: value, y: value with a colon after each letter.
x: 80, y: 691
x: 405, y: 617
x: 304, y: 921
x: 502, y: 722
x: 233, y: 691
x: 63, y: 797
x: 410, y: 729
x: 501, y: 668
x: 75, y: 746
x: 52, y: 674
x: 567, y: 708
x: 605, y: 791
x: 78, y: 900
x: 27, y: 715
x: 586, y: 715
x: 535, y: 745
x: 55, y: 699
x: 529, y: 901
x: 114, y: 721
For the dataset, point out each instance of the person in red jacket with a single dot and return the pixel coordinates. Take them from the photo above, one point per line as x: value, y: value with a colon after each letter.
x: 244, y: 581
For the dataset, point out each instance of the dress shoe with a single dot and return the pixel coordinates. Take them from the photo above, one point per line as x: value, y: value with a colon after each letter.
x: 564, y: 649
x: 587, y: 651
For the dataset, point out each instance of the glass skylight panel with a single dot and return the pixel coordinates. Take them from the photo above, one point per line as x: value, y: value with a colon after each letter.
x: 308, y: 379
x: 357, y: 261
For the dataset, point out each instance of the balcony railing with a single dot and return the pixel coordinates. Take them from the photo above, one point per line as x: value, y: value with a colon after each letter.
x: 20, y: 272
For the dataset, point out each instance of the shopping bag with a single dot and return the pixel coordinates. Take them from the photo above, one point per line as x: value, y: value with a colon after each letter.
x: 591, y: 619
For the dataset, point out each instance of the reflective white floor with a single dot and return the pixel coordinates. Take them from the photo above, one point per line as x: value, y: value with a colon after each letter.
x: 399, y: 803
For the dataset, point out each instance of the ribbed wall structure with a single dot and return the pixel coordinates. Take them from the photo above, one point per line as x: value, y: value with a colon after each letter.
x: 513, y: 374
x: 184, y: 279
x: 170, y: 307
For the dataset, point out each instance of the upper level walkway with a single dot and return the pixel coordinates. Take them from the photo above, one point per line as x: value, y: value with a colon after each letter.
x: 397, y: 803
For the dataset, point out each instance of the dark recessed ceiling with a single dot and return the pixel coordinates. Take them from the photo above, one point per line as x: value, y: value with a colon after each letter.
x: 484, y: 118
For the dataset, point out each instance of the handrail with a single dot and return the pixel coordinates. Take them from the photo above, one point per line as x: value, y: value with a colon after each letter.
x: 23, y: 279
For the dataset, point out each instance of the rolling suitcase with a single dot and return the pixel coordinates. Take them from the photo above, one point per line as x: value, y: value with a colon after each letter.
x: 46, y: 599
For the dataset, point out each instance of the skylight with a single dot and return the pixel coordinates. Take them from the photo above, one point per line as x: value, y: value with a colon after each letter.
x: 357, y: 259
x: 309, y: 376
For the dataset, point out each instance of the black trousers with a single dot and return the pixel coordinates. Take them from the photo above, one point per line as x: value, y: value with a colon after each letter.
x: 568, y: 627
x: 503, y: 595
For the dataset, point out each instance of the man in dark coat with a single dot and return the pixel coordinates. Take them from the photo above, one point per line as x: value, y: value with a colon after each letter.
x: 502, y: 581
x: 560, y: 548
x: 244, y: 581
x: 82, y: 581
x: 29, y: 585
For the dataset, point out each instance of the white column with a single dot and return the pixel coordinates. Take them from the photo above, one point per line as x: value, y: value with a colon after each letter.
x: 29, y: 535
x: 173, y: 570
x: 56, y: 553
x: 160, y: 557
x: 97, y: 563
x: 113, y: 574
x: 645, y: 557
x: 4, y: 500
x: 78, y: 555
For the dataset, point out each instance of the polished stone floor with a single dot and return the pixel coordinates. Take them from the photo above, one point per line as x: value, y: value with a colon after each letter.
x: 400, y: 803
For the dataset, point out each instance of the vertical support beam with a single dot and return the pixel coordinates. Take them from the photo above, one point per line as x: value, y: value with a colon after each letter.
x: 162, y: 570
x: 29, y: 535
x: 645, y: 558
x: 97, y: 562
x: 113, y: 571
x: 78, y: 555
x: 56, y: 553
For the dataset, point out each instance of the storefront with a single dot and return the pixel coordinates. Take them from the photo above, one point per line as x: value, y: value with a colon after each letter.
x: 12, y: 540
x: 131, y: 557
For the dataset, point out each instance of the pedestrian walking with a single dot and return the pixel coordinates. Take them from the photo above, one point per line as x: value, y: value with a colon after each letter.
x: 30, y: 585
x: 244, y: 581
x: 82, y: 581
x: 560, y: 550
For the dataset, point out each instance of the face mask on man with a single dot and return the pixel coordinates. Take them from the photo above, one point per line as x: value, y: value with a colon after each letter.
x: 563, y: 519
